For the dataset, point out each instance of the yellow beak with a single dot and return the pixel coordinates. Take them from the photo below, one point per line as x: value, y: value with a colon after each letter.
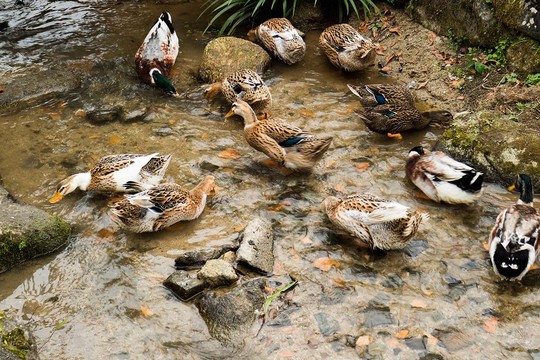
x: 56, y: 198
x: 512, y: 187
x: 229, y: 114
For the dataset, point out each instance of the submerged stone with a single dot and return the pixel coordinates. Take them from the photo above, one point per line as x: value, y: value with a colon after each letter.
x: 217, y: 272
x: 327, y: 325
x: 377, y: 316
x: 415, y: 247
x: 184, y: 285
x: 227, y: 54
x: 229, y: 316
x: 256, y: 248
x: 197, y: 257
x: 104, y: 114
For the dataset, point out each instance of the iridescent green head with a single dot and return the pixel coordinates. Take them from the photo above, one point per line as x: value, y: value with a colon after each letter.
x: 163, y: 83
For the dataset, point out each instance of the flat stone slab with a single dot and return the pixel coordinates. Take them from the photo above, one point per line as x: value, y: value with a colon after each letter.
x: 227, y: 54
x: 183, y: 284
x: 256, y: 247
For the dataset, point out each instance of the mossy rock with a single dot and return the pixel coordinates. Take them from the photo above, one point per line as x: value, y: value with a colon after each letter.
x: 520, y: 15
x: 27, y: 232
x: 228, y: 54
x: 523, y: 56
x: 496, y: 145
x: 15, y: 342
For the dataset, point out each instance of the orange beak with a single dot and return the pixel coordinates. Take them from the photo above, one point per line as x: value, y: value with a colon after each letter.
x: 512, y: 187
x: 229, y: 114
x: 56, y: 198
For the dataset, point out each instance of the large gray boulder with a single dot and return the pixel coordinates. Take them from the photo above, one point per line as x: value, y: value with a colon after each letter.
x: 256, y: 248
x: 228, y: 54
x: 520, y: 15
x: 27, y: 232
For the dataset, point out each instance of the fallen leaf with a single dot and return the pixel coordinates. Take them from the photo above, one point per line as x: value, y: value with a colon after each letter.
x: 490, y: 325
x: 113, y: 139
x: 363, y: 166
x: 386, y: 69
x: 307, y: 113
x: 423, y: 84
x: 458, y: 83
x: 331, y: 164
x: 418, y: 303
x: 325, y: 263
x: 229, y: 154
x: 146, y: 312
x: 485, y: 245
x: 105, y: 233
x: 340, y: 282
x: 363, y: 340
x: 80, y: 113
x: 394, y: 30
x: 54, y: 116
x: 239, y: 228
x: 431, y: 37
x: 389, y: 58
x: 269, y: 289
x: 280, y: 206
x: 402, y: 334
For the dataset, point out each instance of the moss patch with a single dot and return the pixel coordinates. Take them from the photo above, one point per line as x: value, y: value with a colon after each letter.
x: 14, y: 340
x: 46, y: 236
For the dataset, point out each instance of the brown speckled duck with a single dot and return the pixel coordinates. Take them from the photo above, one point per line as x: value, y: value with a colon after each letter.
x: 246, y: 85
x: 442, y: 178
x: 281, y: 39
x: 390, y: 109
x: 289, y: 145
x: 346, y: 49
x: 162, y: 206
x: 120, y: 173
x: 157, y: 54
x: 513, y: 241
x: 379, y: 223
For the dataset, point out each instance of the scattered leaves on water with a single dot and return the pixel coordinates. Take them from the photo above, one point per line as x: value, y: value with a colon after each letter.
x: 307, y: 113
x: 363, y: 166
x: 113, y: 139
x: 229, y: 154
x: 363, y: 340
x: 145, y: 311
x: 418, y: 303
x: 325, y: 263
x: 491, y: 324
x: 402, y: 334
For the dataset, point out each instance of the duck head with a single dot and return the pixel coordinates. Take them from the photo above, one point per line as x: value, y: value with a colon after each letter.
x: 163, y: 83
x: 524, y: 185
x: 69, y: 185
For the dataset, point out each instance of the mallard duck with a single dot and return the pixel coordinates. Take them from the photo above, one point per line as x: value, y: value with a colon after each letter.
x: 246, y: 85
x: 390, y: 109
x: 289, y: 145
x: 280, y: 38
x: 121, y: 173
x: 346, y: 48
x: 513, y: 241
x: 442, y: 178
x: 157, y: 54
x: 379, y: 223
x: 162, y: 206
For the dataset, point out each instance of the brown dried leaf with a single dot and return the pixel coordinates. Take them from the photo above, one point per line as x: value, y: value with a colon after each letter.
x: 491, y: 324
x: 395, y: 30
x: 402, y: 334
x: 389, y: 58
x: 307, y: 113
x: 363, y: 340
x: 386, y: 69
x: 113, y: 140
x: 418, y: 303
x: 229, y: 154
x: 457, y: 83
x: 331, y: 164
x: 431, y: 37
x: 145, y: 311
x: 325, y: 263
x: 363, y: 166
x: 240, y: 227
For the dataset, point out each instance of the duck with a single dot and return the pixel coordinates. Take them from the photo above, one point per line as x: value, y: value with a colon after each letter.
x: 373, y: 221
x: 281, y: 39
x: 286, y: 144
x: 117, y: 173
x: 162, y: 206
x: 513, y: 240
x: 157, y: 54
x: 246, y: 85
x: 346, y: 49
x: 443, y: 179
x: 390, y: 109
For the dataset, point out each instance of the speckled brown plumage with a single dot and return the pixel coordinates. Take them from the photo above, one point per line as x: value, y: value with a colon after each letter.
x: 346, y: 49
x: 280, y: 38
x: 287, y: 144
x: 162, y: 206
x: 246, y: 85
x: 377, y: 222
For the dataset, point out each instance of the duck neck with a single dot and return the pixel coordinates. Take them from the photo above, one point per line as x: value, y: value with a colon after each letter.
x: 203, y: 188
x: 250, y: 119
x: 82, y: 180
x: 526, y: 192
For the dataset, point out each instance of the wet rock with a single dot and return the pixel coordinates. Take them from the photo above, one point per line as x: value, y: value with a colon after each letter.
x: 135, y: 115
x: 327, y: 325
x: 183, y: 284
x: 16, y: 341
x: 431, y: 356
x: 415, y: 247
x: 377, y: 316
x: 104, y: 114
x: 164, y: 131
x: 452, y: 339
x: 393, y: 281
x: 521, y: 15
x: 217, y: 272
x: 229, y: 316
x: 228, y: 54
x: 28, y: 91
x: 523, y: 56
x: 197, y: 257
x: 27, y: 232
x: 473, y: 20
x: 282, y: 319
x: 415, y: 343
x: 256, y: 247
x: 210, y: 164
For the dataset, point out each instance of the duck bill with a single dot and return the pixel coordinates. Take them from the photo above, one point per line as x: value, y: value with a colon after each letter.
x: 229, y: 114
x: 56, y: 198
x: 512, y: 187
